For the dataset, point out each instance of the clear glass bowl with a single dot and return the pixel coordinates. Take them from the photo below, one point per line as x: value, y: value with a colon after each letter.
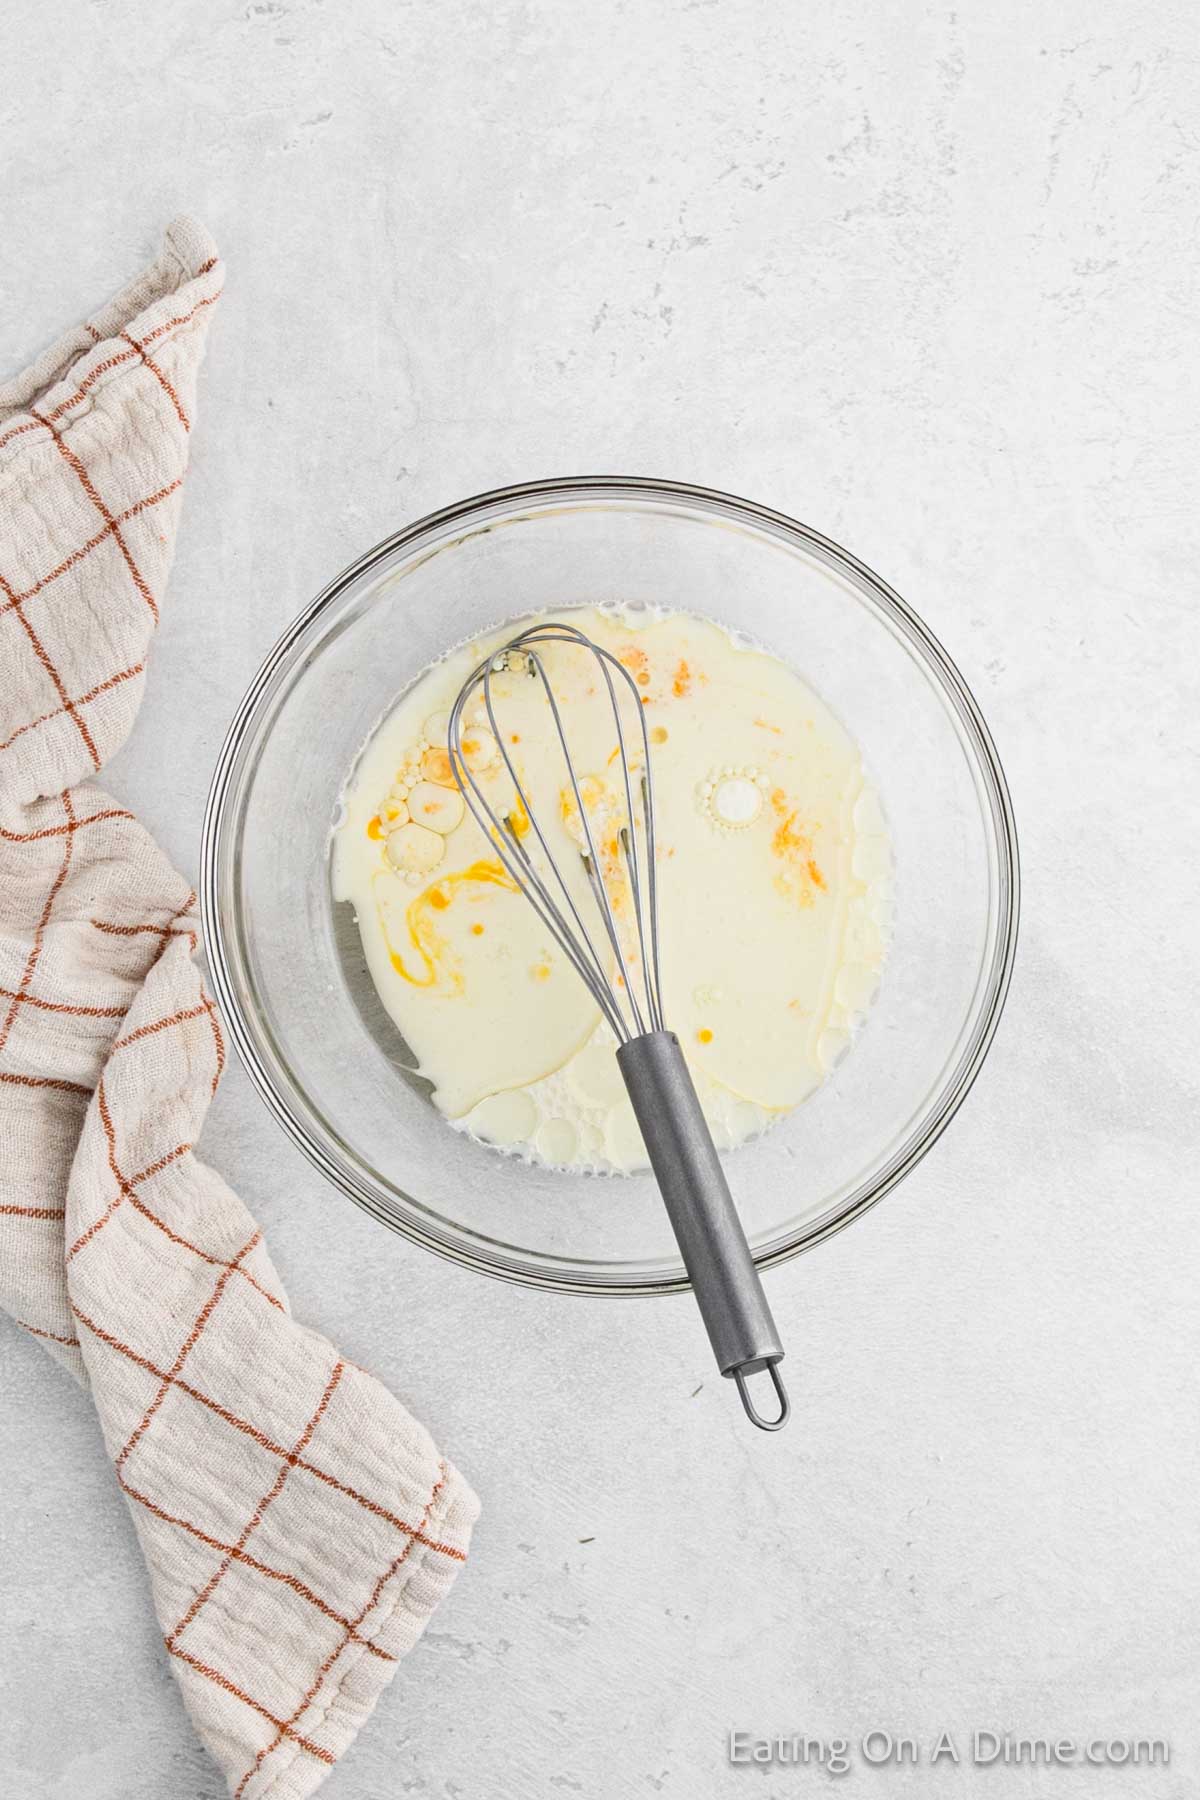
x: 285, y: 962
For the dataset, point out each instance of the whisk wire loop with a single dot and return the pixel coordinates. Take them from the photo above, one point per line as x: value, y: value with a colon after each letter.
x: 628, y: 837
x: 505, y: 830
x: 520, y: 867
x: 591, y: 860
x: 626, y: 1016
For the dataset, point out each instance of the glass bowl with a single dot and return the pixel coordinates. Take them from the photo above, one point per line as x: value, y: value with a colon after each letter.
x: 285, y: 960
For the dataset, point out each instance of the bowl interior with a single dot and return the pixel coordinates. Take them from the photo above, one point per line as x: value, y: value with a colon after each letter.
x: 286, y: 960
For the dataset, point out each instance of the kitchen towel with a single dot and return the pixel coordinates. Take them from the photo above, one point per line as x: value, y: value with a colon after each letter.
x: 298, y: 1525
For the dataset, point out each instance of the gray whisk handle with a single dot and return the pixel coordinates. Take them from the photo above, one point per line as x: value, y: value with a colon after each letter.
x: 701, y: 1210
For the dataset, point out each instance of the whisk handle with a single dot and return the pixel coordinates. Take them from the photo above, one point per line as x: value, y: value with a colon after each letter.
x: 702, y: 1213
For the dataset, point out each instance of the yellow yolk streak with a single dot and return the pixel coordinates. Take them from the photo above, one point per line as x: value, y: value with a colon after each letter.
x: 431, y: 947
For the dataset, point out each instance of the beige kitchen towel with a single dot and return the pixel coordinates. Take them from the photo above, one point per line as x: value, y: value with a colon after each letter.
x: 298, y: 1525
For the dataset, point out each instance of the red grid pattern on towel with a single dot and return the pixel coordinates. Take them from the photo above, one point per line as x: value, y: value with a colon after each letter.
x: 21, y: 995
x: 97, y: 370
x: 161, y: 379
x: 69, y: 830
x: 291, y: 1458
x: 286, y: 1728
x: 76, y: 556
x: 45, y: 609
x: 237, y: 1553
x: 54, y: 1337
x: 69, y: 706
x: 59, y: 623
x: 268, y: 1443
x: 112, y: 524
x: 171, y: 929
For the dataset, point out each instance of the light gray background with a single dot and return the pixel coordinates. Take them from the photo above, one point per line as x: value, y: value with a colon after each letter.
x: 917, y: 275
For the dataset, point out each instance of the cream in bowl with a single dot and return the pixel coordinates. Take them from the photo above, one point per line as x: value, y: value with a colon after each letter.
x: 774, y: 886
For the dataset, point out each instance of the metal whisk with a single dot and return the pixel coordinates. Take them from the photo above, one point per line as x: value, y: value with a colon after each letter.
x: 678, y: 1141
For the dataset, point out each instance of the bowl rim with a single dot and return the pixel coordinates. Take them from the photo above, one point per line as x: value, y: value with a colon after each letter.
x: 216, y: 828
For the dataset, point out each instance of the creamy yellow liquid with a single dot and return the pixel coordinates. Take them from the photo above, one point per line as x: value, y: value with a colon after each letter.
x: 774, y: 877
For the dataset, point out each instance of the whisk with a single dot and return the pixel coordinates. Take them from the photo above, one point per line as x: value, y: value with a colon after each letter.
x: 679, y: 1144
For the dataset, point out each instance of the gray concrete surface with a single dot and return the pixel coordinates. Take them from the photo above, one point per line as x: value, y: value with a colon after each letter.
x: 916, y: 274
